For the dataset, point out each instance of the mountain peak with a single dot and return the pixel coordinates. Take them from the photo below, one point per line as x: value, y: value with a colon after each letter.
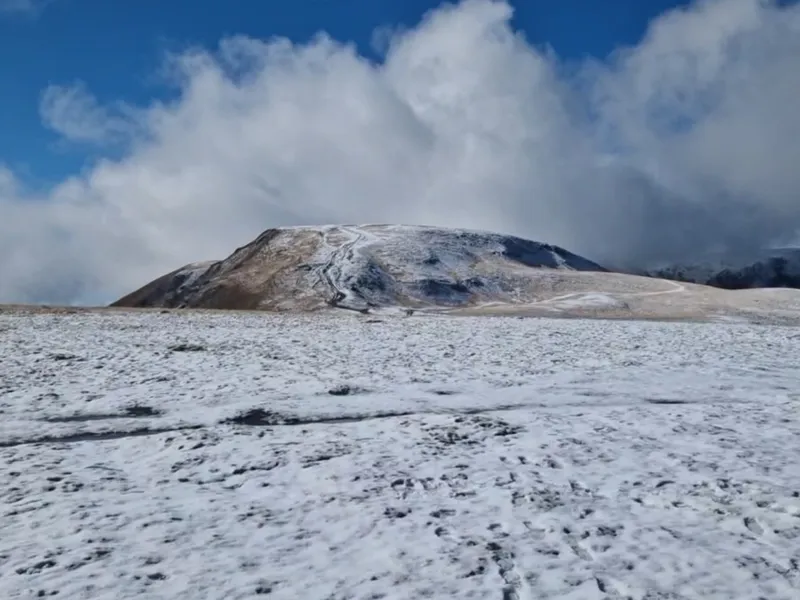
x: 362, y: 266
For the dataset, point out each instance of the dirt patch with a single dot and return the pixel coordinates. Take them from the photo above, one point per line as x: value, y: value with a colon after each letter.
x: 132, y: 412
x: 258, y: 417
x: 665, y: 401
x: 95, y: 437
x: 187, y: 348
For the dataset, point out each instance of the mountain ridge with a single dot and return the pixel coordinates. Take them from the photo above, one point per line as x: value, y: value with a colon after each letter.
x: 404, y: 268
x: 772, y: 268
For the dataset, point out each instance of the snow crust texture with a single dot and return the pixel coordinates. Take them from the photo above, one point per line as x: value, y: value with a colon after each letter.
x: 338, y: 456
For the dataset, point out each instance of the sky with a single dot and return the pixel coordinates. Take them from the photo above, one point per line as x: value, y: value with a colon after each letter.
x: 117, y: 48
x: 139, y: 136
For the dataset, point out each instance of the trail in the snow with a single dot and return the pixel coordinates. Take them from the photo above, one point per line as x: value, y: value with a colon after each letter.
x: 341, y: 256
x: 675, y: 288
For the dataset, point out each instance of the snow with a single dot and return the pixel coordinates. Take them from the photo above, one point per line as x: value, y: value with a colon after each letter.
x: 456, y: 457
x: 193, y: 271
x: 378, y: 265
x: 591, y: 300
x: 598, y: 300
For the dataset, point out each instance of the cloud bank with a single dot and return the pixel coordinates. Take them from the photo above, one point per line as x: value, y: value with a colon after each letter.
x: 686, y: 143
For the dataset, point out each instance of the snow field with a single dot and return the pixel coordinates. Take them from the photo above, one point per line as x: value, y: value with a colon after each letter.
x: 232, y: 455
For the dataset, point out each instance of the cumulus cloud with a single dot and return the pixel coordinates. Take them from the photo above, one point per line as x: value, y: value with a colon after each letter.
x: 686, y: 143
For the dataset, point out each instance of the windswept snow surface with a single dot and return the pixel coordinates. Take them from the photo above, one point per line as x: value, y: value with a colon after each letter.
x: 231, y: 455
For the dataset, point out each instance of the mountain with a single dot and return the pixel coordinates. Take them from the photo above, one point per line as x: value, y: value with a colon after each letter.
x: 358, y: 267
x: 776, y: 268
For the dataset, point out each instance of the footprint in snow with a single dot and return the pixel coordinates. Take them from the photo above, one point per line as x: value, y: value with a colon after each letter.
x: 753, y: 525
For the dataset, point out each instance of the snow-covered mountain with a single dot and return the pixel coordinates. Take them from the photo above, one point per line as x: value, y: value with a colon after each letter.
x: 775, y: 268
x: 358, y: 267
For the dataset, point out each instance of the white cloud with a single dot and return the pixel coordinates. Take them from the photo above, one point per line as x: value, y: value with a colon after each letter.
x: 23, y: 6
x: 683, y: 143
x: 16, y: 5
x: 74, y: 112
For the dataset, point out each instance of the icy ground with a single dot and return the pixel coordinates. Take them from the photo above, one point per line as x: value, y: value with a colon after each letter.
x: 225, y: 456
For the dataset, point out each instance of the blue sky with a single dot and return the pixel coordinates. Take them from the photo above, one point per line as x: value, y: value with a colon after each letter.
x: 116, y: 47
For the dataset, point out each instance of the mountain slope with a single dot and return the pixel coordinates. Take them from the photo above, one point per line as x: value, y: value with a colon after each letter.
x: 357, y: 267
x: 779, y: 268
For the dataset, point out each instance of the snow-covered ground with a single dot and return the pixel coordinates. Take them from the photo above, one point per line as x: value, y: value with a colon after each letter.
x: 220, y: 455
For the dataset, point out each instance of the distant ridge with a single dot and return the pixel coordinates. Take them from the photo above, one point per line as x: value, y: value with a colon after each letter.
x: 777, y: 268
